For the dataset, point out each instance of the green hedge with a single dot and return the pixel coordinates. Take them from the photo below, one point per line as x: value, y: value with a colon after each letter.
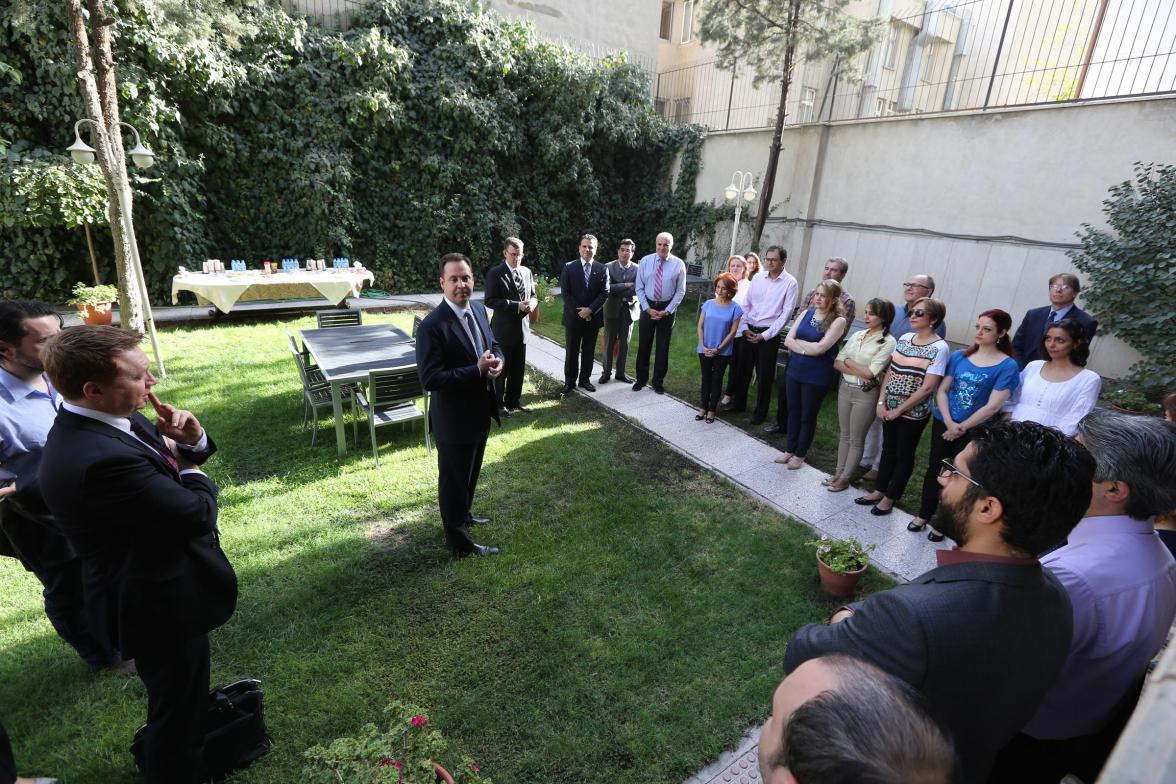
x: 426, y: 127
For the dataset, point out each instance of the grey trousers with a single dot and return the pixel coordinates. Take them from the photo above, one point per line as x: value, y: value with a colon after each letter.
x: 855, y: 414
x: 616, y: 330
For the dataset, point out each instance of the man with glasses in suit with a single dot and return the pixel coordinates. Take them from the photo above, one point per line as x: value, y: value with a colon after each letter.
x: 1063, y: 290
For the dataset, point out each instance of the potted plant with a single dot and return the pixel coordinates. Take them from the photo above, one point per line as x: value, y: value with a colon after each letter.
x: 544, y: 292
x: 94, y: 302
x: 1130, y: 400
x: 841, y: 563
x: 402, y: 749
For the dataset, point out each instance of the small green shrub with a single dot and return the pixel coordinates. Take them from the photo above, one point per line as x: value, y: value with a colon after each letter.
x: 842, y: 555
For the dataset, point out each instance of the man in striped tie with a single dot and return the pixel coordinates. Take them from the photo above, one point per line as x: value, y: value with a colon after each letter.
x: 583, y: 284
x: 661, y: 286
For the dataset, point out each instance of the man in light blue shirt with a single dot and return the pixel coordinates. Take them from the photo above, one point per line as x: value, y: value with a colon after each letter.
x: 661, y: 287
x: 28, y: 407
x: 1121, y: 582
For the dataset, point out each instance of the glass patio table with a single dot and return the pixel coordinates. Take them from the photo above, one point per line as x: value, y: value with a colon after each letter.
x: 346, y: 355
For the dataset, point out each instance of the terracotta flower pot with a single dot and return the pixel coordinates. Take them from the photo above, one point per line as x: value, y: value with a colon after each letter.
x: 443, y: 776
x: 533, y: 314
x: 99, y: 314
x: 836, y: 583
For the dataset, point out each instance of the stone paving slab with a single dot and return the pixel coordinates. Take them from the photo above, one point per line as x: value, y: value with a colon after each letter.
x: 749, y: 464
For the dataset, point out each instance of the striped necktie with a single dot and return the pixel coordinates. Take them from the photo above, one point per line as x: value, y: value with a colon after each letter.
x: 657, y: 281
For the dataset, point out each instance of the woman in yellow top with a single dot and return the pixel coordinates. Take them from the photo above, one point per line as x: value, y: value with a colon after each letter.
x: 862, y: 361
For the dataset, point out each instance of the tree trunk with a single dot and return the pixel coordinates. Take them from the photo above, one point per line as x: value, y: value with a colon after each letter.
x: 107, y: 143
x: 769, y: 182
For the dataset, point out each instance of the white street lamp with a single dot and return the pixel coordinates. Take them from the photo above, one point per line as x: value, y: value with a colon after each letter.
x: 739, y: 191
x: 143, y: 158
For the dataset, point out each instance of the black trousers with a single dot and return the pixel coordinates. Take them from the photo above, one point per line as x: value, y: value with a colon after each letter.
x: 509, y: 383
x: 940, y: 450
x: 177, y: 707
x: 579, y: 351
x: 649, y: 332
x: 458, y: 467
x: 900, y: 439
x: 736, y: 352
x: 760, y: 357
x: 711, y: 390
x: 7, y: 763
x: 803, y: 402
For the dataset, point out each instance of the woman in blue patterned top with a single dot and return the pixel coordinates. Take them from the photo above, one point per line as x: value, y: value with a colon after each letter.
x: 978, y: 381
x: 717, y: 322
x: 813, y: 340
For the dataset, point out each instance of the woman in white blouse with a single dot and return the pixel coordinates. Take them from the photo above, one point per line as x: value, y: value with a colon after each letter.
x: 1057, y: 391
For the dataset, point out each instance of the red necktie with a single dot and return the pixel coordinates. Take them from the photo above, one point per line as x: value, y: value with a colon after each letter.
x: 148, y: 438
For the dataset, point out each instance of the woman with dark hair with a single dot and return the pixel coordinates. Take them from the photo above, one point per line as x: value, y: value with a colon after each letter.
x: 753, y: 263
x: 717, y: 322
x: 916, y: 367
x: 1057, y: 391
x: 813, y: 340
x: 979, y: 380
x: 862, y: 361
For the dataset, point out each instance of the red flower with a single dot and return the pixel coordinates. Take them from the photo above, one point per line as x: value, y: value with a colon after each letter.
x: 385, y: 762
x: 474, y: 767
x: 419, y: 721
x: 398, y: 765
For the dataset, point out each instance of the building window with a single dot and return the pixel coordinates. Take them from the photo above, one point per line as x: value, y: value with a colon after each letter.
x: 891, y: 55
x: 687, y: 21
x: 808, y: 101
x: 885, y: 108
x: 927, y: 67
x: 659, y: 106
x: 681, y: 111
x: 667, y: 21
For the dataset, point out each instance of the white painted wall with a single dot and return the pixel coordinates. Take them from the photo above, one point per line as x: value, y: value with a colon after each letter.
x: 599, y: 27
x: 1034, y: 174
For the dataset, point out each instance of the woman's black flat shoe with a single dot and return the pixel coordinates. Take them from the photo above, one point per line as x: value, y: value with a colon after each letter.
x: 915, y: 527
x: 935, y: 536
x: 881, y: 512
x: 862, y: 500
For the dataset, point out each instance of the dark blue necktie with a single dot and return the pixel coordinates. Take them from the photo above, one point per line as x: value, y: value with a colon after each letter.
x: 474, y: 334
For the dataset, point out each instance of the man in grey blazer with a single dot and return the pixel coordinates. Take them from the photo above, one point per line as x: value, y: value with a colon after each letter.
x: 984, y: 635
x: 621, y: 311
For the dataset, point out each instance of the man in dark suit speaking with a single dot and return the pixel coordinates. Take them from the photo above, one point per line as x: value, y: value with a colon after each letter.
x: 510, y: 293
x: 458, y: 360
x: 1063, y: 290
x: 140, y: 513
x: 583, y: 284
x: 984, y: 635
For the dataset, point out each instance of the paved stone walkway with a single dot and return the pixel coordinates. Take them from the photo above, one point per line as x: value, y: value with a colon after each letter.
x: 749, y: 464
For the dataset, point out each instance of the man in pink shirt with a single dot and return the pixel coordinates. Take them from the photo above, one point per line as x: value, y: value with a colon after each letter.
x: 770, y: 301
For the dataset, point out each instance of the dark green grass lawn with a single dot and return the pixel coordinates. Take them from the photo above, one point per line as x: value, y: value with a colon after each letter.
x: 633, y: 627
x: 682, y: 380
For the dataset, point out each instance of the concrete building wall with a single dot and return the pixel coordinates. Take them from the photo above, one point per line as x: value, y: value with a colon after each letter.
x: 987, y: 203
x: 600, y: 27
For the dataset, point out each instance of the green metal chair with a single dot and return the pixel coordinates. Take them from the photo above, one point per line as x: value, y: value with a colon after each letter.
x: 339, y: 318
x: 390, y: 399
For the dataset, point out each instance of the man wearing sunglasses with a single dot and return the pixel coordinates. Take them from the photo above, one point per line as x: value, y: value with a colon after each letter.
x: 984, y: 635
x: 1063, y: 290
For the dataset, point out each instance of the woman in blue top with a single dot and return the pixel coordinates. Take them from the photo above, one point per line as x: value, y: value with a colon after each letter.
x: 717, y: 322
x: 813, y: 340
x: 978, y: 381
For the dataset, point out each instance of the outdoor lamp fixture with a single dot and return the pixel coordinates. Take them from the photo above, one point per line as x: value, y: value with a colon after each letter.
x: 142, y: 158
x: 84, y: 153
x: 741, y: 189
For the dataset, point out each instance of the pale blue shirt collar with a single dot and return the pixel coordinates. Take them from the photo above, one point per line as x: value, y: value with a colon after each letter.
x: 1062, y: 312
x: 20, y: 389
x: 460, y: 311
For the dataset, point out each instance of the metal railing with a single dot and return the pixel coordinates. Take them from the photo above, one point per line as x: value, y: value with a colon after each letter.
x: 945, y: 56
x: 329, y: 14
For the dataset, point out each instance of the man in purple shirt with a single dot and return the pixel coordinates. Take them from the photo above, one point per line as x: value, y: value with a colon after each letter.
x: 1121, y: 581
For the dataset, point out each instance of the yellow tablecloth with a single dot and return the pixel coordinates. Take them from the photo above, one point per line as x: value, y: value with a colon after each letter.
x: 225, y: 289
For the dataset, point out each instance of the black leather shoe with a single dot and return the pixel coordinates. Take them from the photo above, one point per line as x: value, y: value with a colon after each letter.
x: 659, y: 390
x: 522, y: 409
x: 934, y: 536
x: 914, y: 527
x: 862, y: 500
x: 623, y: 378
x: 587, y: 385
x: 603, y: 379
x: 478, y: 520
x: 567, y: 389
x: 504, y: 413
x: 881, y: 512
x: 637, y: 387
x: 482, y: 550
x: 772, y: 428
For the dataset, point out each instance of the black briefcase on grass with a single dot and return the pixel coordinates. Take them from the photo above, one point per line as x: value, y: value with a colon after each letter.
x: 235, y: 735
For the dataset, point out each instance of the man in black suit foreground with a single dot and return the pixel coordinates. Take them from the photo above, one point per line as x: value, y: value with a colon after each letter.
x: 841, y: 718
x: 140, y: 513
x: 984, y: 635
x: 510, y: 293
x: 584, y: 287
x: 458, y: 360
x: 1063, y: 290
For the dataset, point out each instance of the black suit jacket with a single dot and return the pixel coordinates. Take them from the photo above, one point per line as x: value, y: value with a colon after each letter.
x: 1027, y: 341
x: 503, y: 297
x: 153, y: 570
x: 463, y: 400
x: 576, y: 295
x: 982, y: 641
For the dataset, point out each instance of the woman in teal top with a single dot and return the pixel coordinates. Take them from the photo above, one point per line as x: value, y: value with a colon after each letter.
x: 717, y: 322
x: 978, y: 381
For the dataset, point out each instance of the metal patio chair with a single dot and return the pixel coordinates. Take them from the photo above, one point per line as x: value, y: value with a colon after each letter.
x: 390, y: 399
x: 339, y: 318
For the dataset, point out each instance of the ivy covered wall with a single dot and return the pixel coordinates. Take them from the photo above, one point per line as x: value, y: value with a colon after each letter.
x: 429, y: 126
